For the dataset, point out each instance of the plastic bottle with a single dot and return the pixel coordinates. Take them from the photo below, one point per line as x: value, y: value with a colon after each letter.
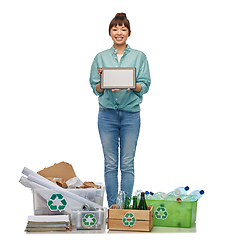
x: 159, y: 196
x: 183, y: 191
x: 120, y: 200
x: 138, y: 193
x: 193, y: 196
x: 179, y: 192
x: 172, y: 195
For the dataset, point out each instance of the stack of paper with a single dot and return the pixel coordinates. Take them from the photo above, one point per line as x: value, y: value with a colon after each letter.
x: 43, y: 223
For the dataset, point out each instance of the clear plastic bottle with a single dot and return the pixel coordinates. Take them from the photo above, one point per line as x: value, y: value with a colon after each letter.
x: 138, y: 193
x: 193, y: 196
x: 179, y: 192
x: 183, y: 191
x: 120, y: 200
x: 159, y: 196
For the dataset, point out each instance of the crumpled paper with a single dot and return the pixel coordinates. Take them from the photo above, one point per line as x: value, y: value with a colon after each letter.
x: 74, y: 182
x: 59, y: 181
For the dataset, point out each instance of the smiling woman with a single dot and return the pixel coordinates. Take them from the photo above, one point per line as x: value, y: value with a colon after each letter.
x: 119, y: 35
x: 119, y: 109
x: 120, y: 20
x: 119, y: 30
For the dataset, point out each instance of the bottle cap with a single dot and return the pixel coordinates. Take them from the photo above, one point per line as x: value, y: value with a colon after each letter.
x: 85, y: 207
x: 186, y: 188
x: 177, y: 192
x: 201, y: 192
x: 147, y: 192
x: 163, y: 195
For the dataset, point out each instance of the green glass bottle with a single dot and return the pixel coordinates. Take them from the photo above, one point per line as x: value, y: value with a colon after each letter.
x: 127, y: 203
x: 142, y: 203
x: 134, y: 206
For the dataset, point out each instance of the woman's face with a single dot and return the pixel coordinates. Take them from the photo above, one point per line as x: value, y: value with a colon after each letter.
x: 119, y: 34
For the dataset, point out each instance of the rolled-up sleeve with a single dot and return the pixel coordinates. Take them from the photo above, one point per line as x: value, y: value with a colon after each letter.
x: 94, y: 77
x: 143, y: 77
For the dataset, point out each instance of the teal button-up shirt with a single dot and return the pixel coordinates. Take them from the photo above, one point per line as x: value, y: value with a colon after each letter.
x: 122, y: 100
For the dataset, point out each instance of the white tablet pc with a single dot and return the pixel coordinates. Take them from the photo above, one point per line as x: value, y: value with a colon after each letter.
x: 118, y: 78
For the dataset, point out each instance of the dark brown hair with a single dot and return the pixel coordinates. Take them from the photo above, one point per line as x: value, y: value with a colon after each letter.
x: 120, y: 19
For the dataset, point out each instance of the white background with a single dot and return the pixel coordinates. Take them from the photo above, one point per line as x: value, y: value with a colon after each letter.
x: 190, y: 131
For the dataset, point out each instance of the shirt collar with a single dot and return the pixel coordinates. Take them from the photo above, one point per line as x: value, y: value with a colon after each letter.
x: 126, y: 50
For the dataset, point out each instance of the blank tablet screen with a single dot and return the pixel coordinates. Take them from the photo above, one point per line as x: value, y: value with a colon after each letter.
x: 118, y: 78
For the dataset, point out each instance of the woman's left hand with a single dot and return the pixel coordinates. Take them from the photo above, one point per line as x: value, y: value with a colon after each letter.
x: 137, y: 89
x: 117, y: 89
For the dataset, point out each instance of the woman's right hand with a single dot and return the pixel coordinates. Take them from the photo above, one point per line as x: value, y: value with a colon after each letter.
x: 100, y: 71
x: 98, y: 88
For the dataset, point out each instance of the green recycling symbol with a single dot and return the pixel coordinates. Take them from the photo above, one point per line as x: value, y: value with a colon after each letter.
x: 129, y: 219
x: 89, y: 220
x: 161, y: 213
x: 57, y: 202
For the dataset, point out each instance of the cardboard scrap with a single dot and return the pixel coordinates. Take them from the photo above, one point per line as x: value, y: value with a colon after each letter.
x: 61, y: 172
x: 58, y: 170
x: 90, y: 185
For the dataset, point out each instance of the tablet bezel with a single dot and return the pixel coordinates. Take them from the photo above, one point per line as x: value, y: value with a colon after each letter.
x: 118, y: 86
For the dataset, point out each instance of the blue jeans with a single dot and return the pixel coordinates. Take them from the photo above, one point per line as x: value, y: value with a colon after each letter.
x: 118, y: 130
